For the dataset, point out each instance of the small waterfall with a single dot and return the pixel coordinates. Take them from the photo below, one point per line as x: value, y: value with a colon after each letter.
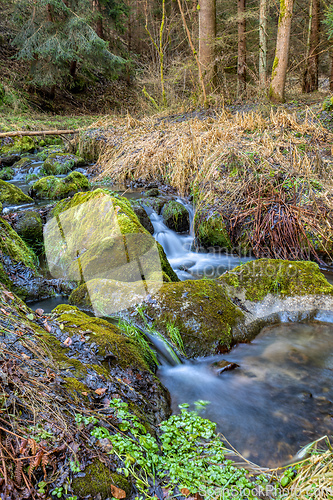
x: 186, y: 263
x: 164, y: 351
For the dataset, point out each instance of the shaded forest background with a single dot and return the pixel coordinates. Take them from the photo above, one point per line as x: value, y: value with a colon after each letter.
x: 97, y: 56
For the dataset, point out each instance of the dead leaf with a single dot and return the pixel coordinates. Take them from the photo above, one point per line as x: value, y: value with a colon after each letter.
x: 4, y: 312
x: 117, y: 492
x: 84, y: 394
x: 68, y: 342
x: 100, y: 392
x: 185, y: 492
x: 39, y: 311
x: 47, y: 326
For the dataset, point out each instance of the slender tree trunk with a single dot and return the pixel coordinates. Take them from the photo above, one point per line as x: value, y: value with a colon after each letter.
x: 331, y: 72
x: 207, y: 35
x: 241, y: 61
x: 49, y: 10
x: 72, y: 69
x: 99, y: 20
x: 279, y: 71
x: 310, y: 75
x: 263, y: 43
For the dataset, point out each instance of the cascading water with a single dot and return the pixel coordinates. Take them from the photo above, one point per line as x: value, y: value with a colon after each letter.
x: 187, y: 263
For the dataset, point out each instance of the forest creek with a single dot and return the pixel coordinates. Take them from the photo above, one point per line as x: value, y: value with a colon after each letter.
x: 119, y: 288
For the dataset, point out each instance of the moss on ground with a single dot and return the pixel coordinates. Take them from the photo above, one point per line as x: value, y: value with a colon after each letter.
x: 10, y: 194
x: 53, y: 188
x: 283, y: 277
x: 17, y: 145
x: 106, y: 335
x: 6, y: 174
x: 97, y: 482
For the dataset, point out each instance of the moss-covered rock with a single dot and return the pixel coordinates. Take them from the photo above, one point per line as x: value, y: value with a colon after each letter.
x: 23, y: 164
x: 176, y: 216
x: 10, y: 194
x: 283, y: 278
x: 61, y: 163
x: 202, y: 312
x: 97, y: 482
x: 8, y: 160
x: 17, y: 145
x: 53, y: 188
x: 6, y: 174
x: 45, y: 152
x: 210, y: 229
x: 11, y: 244
x: 108, y: 237
x: 142, y: 215
x: 155, y: 203
x: 30, y: 227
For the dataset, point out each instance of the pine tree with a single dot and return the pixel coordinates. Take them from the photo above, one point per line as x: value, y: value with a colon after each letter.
x: 55, y: 36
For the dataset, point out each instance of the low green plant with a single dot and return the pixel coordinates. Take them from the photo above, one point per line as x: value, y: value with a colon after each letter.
x: 175, y: 336
x: 57, y: 492
x: 134, y: 333
x: 189, y: 454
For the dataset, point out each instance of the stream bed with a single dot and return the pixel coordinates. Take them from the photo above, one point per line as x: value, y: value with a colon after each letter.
x: 280, y: 397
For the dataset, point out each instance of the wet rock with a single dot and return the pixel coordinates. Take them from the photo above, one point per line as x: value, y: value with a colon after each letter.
x: 153, y: 192
x: 210, y: 229
x: 8, y: 161
x: 6, y: 174
x: 29, y: 226
x: 218, y: 367
x: 61, y: 163
x: 53, y: 188
x: 143, y: 217
x: 155, y: 204
x: 23, y: 164
x: 10, y: 194
x: 176, y: 216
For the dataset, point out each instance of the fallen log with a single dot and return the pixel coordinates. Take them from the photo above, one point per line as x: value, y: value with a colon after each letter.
x: 40, y: 132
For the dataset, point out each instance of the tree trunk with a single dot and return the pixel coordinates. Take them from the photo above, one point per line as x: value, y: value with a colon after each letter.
x: 310, y: 75
x: 49, y: 9
x: 72, y: 69
x: 331, y: 72
x: 99, y: 22
x: 263, y: 43
x: 279, y: 71
x: 241, y: 61
x: 207, y: 34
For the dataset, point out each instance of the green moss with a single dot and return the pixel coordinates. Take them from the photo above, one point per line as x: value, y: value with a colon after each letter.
x: 53, y: 188
x: 176, y: 216
x: 12, y: 244
x: 76, y: 388
x: 6, y: 174
x: 202, y: 312
x: 210, y: 229
x: 97, y: 481
x: 285, y: 278
x: 275, y: 64
x: 18, y: 145
x: 106, y: 335
x: 61, y: 163
x: 108, y: 253
x: 23, y: 163
x: 4, y: 277
x: 42, y: 155
x: 10, y: 194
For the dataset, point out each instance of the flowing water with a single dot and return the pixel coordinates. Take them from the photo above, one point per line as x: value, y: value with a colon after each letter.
x: 278, y: 399
x: 184, y: 259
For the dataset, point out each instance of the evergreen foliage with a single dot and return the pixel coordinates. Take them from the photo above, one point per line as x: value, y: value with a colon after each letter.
x: 55, y: 34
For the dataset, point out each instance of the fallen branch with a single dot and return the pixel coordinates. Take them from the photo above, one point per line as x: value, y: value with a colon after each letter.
x: 40, y: 132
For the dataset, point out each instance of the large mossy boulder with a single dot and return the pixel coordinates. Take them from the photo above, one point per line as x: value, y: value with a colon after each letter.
x: 176, y: 216
x: 11, y: 195
x: 53, y: 188
x: 50, y: 150
x: 210, y: 229
x: 282, y: 278
x: 17, y: 145
x: 23, y: 164
x: 61, y: 163
x: 106, y: 234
